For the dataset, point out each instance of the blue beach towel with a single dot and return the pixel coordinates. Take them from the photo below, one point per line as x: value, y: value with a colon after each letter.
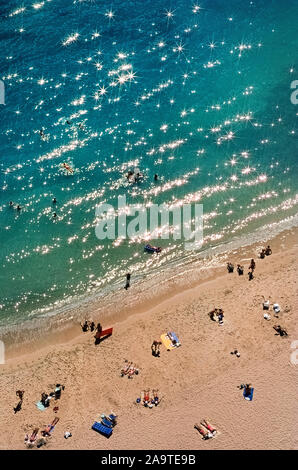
x: 102, y: 429
x: 106, y: 422
x: 250, y: 396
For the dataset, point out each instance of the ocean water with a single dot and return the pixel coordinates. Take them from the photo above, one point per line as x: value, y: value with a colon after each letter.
x: 198, y: 93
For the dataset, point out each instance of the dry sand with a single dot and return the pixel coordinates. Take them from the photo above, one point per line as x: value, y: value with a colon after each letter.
x: 198, y: 380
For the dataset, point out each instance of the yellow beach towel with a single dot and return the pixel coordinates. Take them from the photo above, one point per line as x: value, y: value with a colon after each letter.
x: 167, y: 342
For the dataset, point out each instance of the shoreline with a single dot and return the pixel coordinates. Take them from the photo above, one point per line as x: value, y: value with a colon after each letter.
x: 178, y: 285
x: 198, y: 380
x: 71, y: 329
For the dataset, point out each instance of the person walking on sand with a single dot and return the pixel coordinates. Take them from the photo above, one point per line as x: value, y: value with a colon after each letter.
x: 92, y: 326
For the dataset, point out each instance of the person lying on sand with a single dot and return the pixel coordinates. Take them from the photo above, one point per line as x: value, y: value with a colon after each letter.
x: 236, y: 352
x: 206, y: 434
x: 155, y: 401
x: 208, y: 426
x: 212, y: 314
x: 146, y: 398
x: 246, y: 387
x: 125, y: 369
x: 30, y: 441
x: 281, y: 331
x: 220, y: 317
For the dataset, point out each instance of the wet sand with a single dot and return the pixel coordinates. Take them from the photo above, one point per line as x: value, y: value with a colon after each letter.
x: 197, y: 380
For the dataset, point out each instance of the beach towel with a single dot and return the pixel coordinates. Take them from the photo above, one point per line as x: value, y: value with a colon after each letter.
x: 250, y: 396
x: 106, y: 422
x: 167, y: 342
x: 107, y: 332
x: 40, y: 406
x: 175, y: 338
x: 98, y: 427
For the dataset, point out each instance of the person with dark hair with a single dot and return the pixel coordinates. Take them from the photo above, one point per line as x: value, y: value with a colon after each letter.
x: 127, y: 285
x: 240, y: 269
x: 85, y: 326
x: 92, y: 326
x: 250, y: 275
x: 268, y: 251
x: 230, y: 267
x: 281, y: 331
x: 263, y: 253
x: 155, y: 348
x: 58, y: 391
x: 252, y: 265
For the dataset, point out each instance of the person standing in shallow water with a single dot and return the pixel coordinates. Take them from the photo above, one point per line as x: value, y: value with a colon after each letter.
x: 127, y: 285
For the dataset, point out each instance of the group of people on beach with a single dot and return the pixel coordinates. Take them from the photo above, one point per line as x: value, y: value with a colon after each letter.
x: 90, y: 326
x: 56, y: 395
x: 129, y: 370
x: 150, y: 401
x: 240, y: 269
x: 265, y: 252
x: 46, y: 433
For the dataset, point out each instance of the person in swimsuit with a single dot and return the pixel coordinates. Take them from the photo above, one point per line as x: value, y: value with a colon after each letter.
x: 230, y: 267
x: 146, y: 398
x: 206, y: 434
x: 208, y: 426
x: 85, y: 326
x: 47, y: 431
x: 67, y: 167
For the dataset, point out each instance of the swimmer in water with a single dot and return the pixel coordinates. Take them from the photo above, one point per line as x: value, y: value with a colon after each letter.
x: 67, y: 167
x: 10, y: 204
x: 41, y: 133
x: 54, y: 201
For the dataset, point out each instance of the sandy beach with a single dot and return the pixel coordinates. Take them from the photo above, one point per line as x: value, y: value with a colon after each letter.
x: 198, y: 380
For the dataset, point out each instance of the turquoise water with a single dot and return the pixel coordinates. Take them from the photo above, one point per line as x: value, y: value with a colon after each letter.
x: 197, y: 93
